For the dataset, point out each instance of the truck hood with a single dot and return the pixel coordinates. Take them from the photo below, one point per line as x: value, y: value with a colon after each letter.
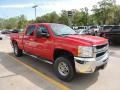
x: 86, y: 39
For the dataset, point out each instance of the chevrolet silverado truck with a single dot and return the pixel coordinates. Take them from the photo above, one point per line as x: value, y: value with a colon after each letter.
x: 63, y: 47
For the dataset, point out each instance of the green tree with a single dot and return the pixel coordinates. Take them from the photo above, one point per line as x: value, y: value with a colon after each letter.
x: 11, y: 23
x: 49, y: 18
x: 63, y: 19
x: 104, y: 12
x: 1, y: 23
x: 22, y: 21
x: 116, y: 15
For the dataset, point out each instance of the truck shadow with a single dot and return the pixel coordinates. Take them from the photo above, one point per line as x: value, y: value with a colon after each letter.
x: 81, y: 82
x: 84, y: 81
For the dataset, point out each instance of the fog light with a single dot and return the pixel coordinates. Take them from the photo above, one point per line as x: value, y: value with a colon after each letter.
x: 81, y: 62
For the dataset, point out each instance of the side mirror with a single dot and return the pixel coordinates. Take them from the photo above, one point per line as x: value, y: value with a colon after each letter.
x: 0, y: 38
x: 42, y: 35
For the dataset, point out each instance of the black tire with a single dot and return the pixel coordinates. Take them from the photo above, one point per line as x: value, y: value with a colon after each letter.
x: 17, y: 52
x: 71, y: 71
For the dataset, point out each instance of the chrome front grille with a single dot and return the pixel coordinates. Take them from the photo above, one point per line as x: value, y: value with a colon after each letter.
x: 100, y: 54
x: 101, y: 48
x: 100, y: 51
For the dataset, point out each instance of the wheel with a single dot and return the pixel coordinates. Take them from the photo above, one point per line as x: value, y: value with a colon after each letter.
x: 18, y: 52
x: 64, y: 69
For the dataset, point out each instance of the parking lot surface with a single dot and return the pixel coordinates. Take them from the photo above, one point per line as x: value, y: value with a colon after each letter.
x: 29, y: 73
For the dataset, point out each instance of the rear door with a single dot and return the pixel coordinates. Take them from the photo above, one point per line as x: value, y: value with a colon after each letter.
x: 28, y: 39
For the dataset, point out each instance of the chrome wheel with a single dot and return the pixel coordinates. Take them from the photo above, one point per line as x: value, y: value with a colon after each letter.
x: 17, y: 52
x: 63, y: 68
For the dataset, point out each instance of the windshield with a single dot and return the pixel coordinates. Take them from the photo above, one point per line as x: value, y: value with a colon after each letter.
x: 60, y: 29
x: 82, y: 31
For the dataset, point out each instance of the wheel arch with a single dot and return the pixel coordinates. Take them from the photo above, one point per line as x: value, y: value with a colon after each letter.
x: 61, y: 52
x: 14, y: 42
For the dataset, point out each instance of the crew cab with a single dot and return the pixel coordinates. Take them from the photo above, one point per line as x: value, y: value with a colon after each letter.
x: 68, y: 51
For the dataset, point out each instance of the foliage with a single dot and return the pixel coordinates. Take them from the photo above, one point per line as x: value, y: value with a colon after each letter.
x: 48, y: 18
x: 63, y: 19
x: 22, y: 22
x: 106, y: 12
x: 13, y: 23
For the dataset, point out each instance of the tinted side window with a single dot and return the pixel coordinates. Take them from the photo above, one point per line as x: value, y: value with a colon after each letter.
x: 42, y: 29
x: 30, y: 30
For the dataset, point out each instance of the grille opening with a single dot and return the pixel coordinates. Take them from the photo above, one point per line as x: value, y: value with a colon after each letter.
x: 100, y: 54
x: 101, y: 46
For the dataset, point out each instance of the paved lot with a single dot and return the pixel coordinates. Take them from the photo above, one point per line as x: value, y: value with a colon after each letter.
x: 28, y: 73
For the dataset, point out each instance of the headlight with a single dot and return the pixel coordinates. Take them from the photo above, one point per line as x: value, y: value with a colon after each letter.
x: 85, y: 51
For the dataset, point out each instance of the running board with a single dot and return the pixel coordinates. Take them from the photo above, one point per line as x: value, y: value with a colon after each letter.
x: 39, y: 58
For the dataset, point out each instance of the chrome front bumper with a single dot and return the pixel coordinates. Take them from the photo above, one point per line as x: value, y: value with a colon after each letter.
x: 89, y: 65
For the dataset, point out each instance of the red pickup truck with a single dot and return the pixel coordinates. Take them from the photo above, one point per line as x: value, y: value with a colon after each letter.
x: 63, y: 47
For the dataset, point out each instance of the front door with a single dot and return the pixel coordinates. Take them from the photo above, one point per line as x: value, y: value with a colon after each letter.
x: 43, y: 44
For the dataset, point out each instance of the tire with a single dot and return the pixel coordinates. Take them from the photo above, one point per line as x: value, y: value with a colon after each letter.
x: 17, y: 52
x: 66, y: 75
